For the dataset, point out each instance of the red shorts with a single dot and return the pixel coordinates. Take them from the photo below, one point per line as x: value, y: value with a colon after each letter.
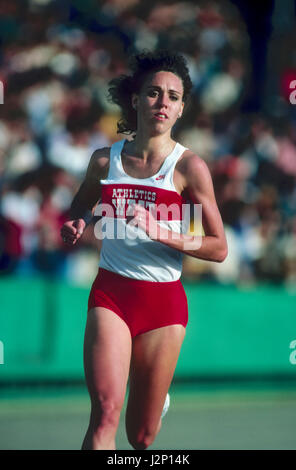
x: 143, y: 305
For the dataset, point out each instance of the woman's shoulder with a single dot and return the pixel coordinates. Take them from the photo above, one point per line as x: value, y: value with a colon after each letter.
x: 191, y: 162
x: 99, y: 162
x: 101, y: 157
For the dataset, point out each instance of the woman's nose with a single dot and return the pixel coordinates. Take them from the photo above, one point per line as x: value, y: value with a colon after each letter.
x: 163, y: 100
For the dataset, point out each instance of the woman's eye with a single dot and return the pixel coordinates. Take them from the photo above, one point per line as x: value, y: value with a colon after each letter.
x: 174, y: 97
x: 152, y: 93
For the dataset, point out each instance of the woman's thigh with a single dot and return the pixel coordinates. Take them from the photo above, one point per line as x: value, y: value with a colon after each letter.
x: 154, y: 359
x: 107, y: 353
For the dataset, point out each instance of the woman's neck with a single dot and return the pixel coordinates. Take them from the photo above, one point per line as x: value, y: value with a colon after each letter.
x: 152, y: 148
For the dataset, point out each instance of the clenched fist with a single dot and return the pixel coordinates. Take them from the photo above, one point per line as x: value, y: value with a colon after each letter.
x: 72, y: 230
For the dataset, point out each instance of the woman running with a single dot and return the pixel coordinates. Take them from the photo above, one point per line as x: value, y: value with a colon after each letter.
x: 137, y: 308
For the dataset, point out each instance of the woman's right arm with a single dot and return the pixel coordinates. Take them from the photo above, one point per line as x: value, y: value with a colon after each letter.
x: 87, y: 197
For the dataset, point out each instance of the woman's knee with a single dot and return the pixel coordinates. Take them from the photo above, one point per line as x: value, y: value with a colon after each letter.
x: 141, y: 439
x: 105, y: 411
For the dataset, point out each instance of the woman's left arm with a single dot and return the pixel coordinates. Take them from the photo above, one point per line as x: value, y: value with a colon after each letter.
x: 213, y: 245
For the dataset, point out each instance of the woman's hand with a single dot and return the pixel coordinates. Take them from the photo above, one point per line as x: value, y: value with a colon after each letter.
x: 145, y: 220
x: 72, y: 230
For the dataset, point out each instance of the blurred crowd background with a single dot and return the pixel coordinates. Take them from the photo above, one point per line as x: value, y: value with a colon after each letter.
x: 56, y: 59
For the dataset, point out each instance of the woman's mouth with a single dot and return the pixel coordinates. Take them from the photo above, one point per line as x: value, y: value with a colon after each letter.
x: 160, y: 116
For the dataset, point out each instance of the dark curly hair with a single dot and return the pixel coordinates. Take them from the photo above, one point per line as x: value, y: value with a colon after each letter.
x: 141, y: 65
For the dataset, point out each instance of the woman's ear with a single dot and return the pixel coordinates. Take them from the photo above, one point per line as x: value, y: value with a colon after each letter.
x: 181, y: 110
x: 135, y: 100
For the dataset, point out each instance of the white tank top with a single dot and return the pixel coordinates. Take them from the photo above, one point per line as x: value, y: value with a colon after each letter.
x: 128, y: 250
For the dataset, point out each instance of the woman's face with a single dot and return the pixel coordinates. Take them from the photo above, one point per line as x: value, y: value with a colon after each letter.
x: 160, y: 102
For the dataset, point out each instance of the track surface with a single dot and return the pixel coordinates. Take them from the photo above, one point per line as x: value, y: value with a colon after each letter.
x: 227, y: 420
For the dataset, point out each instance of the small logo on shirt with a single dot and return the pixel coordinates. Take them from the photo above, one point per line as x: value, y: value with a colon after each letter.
x: 160, y: 177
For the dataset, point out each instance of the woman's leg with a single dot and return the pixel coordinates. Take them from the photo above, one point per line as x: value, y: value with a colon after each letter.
x: 153, y: 362
x: 107, y: 353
